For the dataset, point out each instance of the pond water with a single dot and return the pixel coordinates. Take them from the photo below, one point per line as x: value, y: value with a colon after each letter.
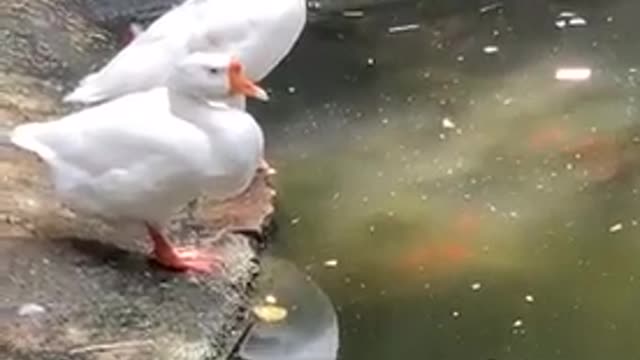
x: 463, y: 184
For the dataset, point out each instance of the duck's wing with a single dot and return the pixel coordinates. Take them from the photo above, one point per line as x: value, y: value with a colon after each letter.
x: 259, y: 32
x: 124, y: 135
x: 144, y: 63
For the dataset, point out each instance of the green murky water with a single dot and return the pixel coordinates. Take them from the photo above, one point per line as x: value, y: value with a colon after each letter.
x: 455, y: 198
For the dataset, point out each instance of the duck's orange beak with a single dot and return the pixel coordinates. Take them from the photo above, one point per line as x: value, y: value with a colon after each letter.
x: 240, y: 84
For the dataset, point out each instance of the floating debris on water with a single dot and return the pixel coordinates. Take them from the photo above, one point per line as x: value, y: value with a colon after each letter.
x: 403, y: 28
x: 569, y: 18
x: 490, y: 49
x: 577, y: 21
x: 529, y: 298
x: 448, y: 124
x: 371, y: 61
x: 490, y: 7
x: 353, y: 14
x: 615, y: 228
x: 567, y: 14
x: 573, y: 74
x: 476, y: 286
x: 518, y: 323
x: 455, y: 314
x: 314, y: 5
x: 270, y: 313
x: 331, y: 263
x: 291, y: 90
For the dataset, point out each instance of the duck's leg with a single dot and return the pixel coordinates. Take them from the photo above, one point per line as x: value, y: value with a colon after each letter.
x: 264, y: 166
x: 182, y: 258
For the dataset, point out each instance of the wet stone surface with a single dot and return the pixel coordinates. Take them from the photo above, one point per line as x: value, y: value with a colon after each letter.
x: 75, y: 287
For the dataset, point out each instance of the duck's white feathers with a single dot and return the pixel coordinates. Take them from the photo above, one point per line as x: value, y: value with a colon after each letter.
x: 260, y: 33
x: 132, y: 158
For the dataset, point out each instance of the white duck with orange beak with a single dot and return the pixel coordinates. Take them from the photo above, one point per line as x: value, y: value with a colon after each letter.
x: 259, y: 32
x: 143, y: 156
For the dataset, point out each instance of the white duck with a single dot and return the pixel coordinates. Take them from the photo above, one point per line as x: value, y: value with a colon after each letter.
x: 143, y: 156
x: 260, y: 33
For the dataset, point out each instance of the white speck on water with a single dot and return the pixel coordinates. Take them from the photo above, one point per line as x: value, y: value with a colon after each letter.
x: 615, y: 228
x: 331, y: 263
x: 384, y: 121
x: 561, y: 24
x: 577, y: 21
x: 573, y: 74
x: 448, y: 124
x: 31, y: 309
x: 371, y: 61
x: 609, y: 19
x: 442, y: 136
x: 372, y: 229
x: 455, y: 314
x: 403, y: 28
x: 507, y: 101
x: 529, y: 298
x: 460, y: 58
x: 315, y: 5
x: 291, y: 90
x: 567, y: 14
x: 354, y: 14
x: 294, y: 221
x: 518, y: 323
x: 490, y: 7
x: 476, y: 286
x: 490, y: 49
x: 513, y: 214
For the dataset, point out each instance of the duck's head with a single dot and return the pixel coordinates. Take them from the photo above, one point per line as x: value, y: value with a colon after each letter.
x: 214, y: 76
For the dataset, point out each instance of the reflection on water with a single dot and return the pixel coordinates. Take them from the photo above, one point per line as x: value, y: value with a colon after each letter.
x: 300, y: 322
x: 472, y: 181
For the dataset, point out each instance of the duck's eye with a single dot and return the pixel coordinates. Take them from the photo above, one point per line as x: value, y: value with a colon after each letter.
x: 213, y: 70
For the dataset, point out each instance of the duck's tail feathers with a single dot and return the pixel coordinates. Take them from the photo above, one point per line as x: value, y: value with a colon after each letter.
x: 87, y: 92
x: 26, y: 137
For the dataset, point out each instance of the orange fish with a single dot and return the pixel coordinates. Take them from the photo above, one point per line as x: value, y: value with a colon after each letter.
x: 548, y: 138
x: 600, y: 155
x: 450, y: 249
